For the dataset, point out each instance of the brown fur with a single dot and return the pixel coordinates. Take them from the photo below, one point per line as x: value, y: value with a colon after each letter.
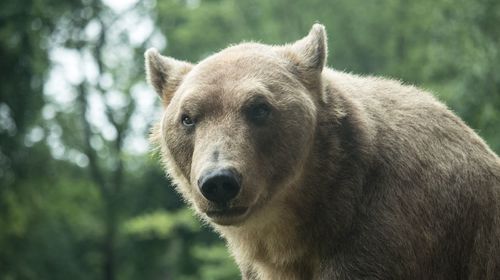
x: 350, y: 177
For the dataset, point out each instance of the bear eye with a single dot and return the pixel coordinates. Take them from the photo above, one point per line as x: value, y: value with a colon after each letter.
x: 258, y: 113
x: 187, y: 120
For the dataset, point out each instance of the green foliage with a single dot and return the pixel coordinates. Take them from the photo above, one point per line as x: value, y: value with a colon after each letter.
x: 159, y: 224
x: 75, y: 203
x: 215, y: 263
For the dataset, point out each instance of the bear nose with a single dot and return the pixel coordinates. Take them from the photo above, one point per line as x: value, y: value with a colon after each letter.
x: 220, y: 186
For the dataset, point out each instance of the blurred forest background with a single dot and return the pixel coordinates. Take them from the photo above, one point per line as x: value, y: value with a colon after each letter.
x: 81, y: 196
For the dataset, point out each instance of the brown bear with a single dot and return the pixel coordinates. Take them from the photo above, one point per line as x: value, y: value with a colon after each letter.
x: 311, y: 173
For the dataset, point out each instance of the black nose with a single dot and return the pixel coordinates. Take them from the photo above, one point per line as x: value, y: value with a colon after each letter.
x: 220, y: 186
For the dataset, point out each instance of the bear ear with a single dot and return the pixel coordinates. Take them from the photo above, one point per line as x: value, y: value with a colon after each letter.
x: 311, y: 51
x: 165, y: 73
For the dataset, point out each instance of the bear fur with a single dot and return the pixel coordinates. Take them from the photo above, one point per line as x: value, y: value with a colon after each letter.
x: 346, y: 177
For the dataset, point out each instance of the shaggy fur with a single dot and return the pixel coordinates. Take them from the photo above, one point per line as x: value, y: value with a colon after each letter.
x: 350, y: 177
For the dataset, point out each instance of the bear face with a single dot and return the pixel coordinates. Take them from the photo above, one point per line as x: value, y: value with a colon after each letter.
x: 238, y: 126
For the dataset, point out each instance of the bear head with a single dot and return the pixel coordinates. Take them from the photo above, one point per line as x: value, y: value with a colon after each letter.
x: 237, y: 128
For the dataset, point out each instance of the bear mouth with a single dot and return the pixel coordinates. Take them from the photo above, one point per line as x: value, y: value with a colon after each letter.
x: 227, y: 216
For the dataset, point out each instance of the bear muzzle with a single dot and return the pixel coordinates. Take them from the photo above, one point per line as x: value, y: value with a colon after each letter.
x: 221, y: 187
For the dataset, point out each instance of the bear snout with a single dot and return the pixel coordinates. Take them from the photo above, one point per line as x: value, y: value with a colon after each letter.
x: 220, y: 186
